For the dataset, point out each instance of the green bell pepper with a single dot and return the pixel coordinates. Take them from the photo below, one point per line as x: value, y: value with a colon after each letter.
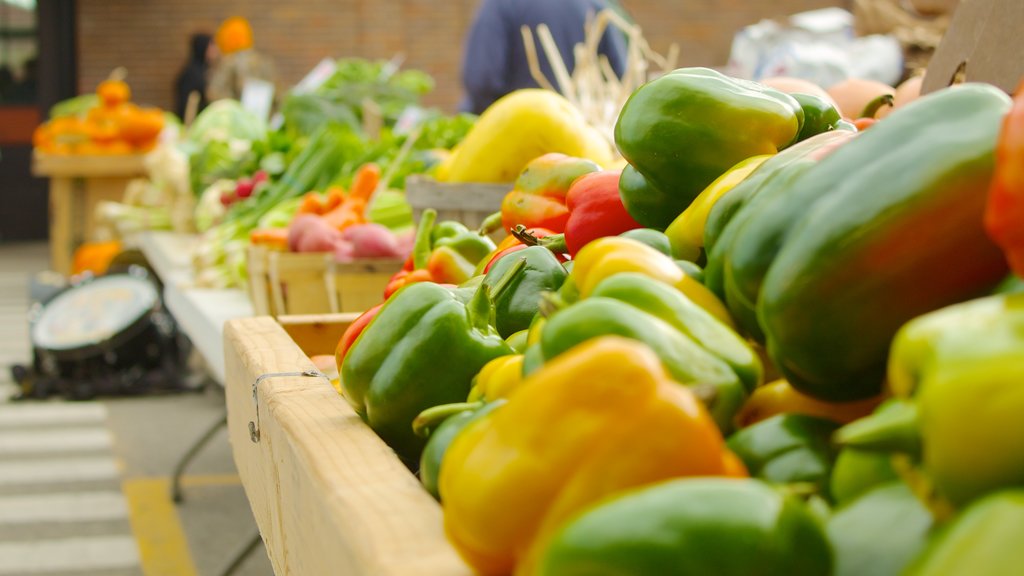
x: 958, y: 374
x: 874, y: 247
x: 692, y: 527
x: 441, y: 437
x: 819, y: 116
x: 712, y: 378
x: 739, y: 257
x: 880, y: 533
x: 672, y: 306
x: 787, y: 449
x: 653, y: 238
x: 684, y: 129
x: 983, y: 540
x: 856, y: 472
x: 469, y: 244
x: 515, y: 308
x: 392, y: 372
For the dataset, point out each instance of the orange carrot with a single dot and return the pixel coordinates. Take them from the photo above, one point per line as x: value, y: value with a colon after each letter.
x: 365, y: 181
x: 272, y: 238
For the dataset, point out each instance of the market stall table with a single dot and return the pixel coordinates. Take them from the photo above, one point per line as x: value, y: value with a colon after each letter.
x: 329, y: 496
x: 77, y: 185
x: 200, y: 312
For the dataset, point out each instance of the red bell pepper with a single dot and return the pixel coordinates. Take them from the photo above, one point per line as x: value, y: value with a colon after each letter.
x: 595, y: 210
x: 353, y: 331
x: 1004, y: 213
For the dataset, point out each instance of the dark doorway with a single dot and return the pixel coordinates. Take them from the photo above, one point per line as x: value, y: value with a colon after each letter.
x: 37, y: 69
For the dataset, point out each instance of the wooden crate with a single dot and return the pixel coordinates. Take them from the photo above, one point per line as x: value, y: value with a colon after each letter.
x: 328, y: 495
x: 288, y: 283
x: 468, y: 203
x: 77, y: 185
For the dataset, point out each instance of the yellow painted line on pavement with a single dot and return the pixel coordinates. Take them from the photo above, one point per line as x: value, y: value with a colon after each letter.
x: 163, y: 549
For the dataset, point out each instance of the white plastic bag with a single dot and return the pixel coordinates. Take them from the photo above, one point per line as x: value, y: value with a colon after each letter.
x: 818, y: 46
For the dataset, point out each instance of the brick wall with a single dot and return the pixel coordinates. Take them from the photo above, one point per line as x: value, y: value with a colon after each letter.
x: 150, y: 37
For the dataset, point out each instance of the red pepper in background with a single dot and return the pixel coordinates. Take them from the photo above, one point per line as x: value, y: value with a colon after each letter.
x: 1004, y: 214
x: 353, y: 331
x: 595, y: 210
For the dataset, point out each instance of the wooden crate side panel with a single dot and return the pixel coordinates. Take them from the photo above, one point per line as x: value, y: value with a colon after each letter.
x: 317, y: 334
x: 328, y: 495
x: 468, y: 203
x: 359, y: 292
x: 297, y: 283
x: 259, y: 280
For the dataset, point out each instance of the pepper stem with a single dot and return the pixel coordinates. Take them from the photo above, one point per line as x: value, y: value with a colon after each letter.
x: 427, y: 421
x: 421, y: 245
x: 480, y: 309
x: 490, y: 224
x: 555, y: 242
x: 507, y: 278
x: 875, y: 104
x: 892, y: 428
x: 551, y: 302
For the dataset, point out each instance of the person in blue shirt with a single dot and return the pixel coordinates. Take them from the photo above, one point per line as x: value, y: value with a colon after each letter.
x: 495, y: 59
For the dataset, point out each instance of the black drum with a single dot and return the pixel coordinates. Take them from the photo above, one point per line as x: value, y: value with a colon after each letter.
x: 105, y: 335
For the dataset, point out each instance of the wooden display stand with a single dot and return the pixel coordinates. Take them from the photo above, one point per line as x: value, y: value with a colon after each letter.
x: 329, y: 496
x: 77, y: 185
x: 468, y: 203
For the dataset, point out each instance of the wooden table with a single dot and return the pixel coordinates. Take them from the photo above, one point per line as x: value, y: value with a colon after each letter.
x: 77, y: 185
x: 329, y: 496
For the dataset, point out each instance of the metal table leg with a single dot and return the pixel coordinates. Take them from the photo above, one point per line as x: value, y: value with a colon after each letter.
x: 242, y: 554
x: 179, y: 470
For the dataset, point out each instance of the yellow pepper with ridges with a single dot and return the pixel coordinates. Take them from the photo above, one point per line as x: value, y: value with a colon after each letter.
x: 686, y: 232
x: 613, y: 254
x: 599, y: 419
x: 499, y: 378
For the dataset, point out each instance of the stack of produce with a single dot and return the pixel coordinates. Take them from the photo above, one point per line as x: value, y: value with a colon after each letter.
x: 337, y: 223
x: 770, y: 344
x: 101, y: 124
x: 253, y: 183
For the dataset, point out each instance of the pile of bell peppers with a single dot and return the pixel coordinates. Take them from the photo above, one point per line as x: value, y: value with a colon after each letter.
x: 607, y: 402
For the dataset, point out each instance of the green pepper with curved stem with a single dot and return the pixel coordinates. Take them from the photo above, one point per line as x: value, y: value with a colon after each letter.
x: 683, y: 130
x: 515, y: 308
x: 392, y: 373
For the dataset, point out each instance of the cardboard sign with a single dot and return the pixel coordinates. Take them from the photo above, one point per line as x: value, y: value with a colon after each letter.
x: 984, y: 43
x: 258, y: 97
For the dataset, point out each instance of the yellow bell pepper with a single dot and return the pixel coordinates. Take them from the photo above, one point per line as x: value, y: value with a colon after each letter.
x: 613, y: 254
x: 686, y: 232
x: 499, y: 378
x: 599, y: 419
x: 779, y: 397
